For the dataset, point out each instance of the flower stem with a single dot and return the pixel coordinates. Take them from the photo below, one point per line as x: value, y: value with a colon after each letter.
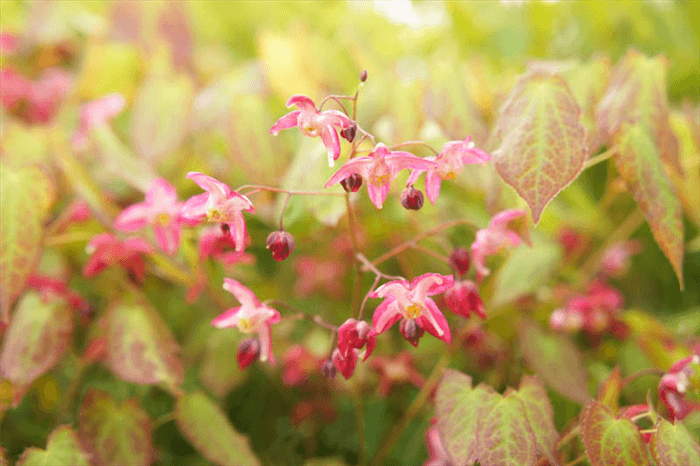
x: 600, y: 157
x: 569, y: 436
x: 336, y: 99
x: 577, y: 460
x: 357, y: 281
x: 415, y: 143
x: 318, y: 320
x: 284, y: 206
x: 649, y: 371
x: 370, y: 266
x: 257, y: 188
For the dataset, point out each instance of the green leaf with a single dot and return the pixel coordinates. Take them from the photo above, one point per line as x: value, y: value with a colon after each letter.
x: 140, y: 347
x: 556, y: 360
x: 62, y: 449
x: 218, y: 372
x: 119, y: 160
x: 543, y: 145
x: 609, y: 391
x: 540, y: 415
x: 115, y: 435
x: 505, y: 436
x: 39, y: 334
x: 211, y: 433
x: 25, y: 197
x: 673, y: 445
x: 638, y: 163
x: 610, y: 441
x: 636, y: 94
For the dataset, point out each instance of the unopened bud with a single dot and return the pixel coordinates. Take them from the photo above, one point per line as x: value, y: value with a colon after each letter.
x: 352, y: 183
x: 329, y: 370
x: 281, y: 243
x: 412, y: 198
x: 350, y: 132
x: 459, y: 260
x: 248, y: 352
x: 363, y: 76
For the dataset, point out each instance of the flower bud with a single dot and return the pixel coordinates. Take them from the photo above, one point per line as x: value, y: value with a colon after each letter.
x: 281, y: 243
x: 459, y: 260
x: 363, y: 76
x: 329, y: 370
x: 248, y: 352
x: 352, y: 183
x: 412, y: 198
x: 350, y: 132
x: 411, y: 331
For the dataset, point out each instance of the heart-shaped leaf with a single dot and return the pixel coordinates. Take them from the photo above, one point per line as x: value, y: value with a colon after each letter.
x: 505, y: 435
x: 62, y: 449
x: 211, y: 433
x: 39, y: 334
x: 609, y: 391
x: 543, y: 145
x: 673, y: 445
x: 115, y: 435
x: 610, y: 441
x: 140, y: 347
x: 638, y: 163
x: 26, y: 195
x: 540, y: 415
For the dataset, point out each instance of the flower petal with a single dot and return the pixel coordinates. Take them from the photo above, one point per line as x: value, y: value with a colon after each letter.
x: 434, y: 322
x: 133, y: 218
x: 330, y: 139
x: 400, y: 160
x: 194, y: 209
x: 337, y: 118
x: 475, y: 156
x: 386, y: 315
x: 506, y: 216
x: 238, y: 230
x: 213, y: 186
x: 357, y: 165
x: 227, y: 319
x: 430, y: 284
x: 168, y: 238
x: 432, y: 185
x: 266, y: 344
x: 287, y: 121
x: 378, y: 194
x: 161, y: 195
x: 246, y: 297
x: 303, y: 102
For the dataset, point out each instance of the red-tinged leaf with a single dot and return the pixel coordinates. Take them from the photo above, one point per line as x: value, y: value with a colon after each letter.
x: 543, y: 145
x: 39, y: 334
x: 540, y: 415
x: 636, y: 94
x: 115, y: 435
x: 556, y: 360
x: 140, y: 347
x: 638, y: 163
x: 211, y: 433
x: 610, y: 441
x: 459, y: 408
x: 609, y: 391
x: 505, y: 437
x: 673, y: 445
x: 62, y: 449
x: 26, y: 195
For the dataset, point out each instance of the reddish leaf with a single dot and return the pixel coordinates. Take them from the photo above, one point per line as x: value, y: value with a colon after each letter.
x: 637, y: 94
x: 610, y: 441
x: 140, y: 347
x: 542, y: 142
x: 211, y: 433
x: 638, y: 163
x: 62, y: 449
x: 459, y: 408
x: 609, y: 391
x: 540, y: 415
x: 556, y: 360
x: 673, y: 445
x: 39, y: 334
x: 26, y: 195
x: 115, y: 435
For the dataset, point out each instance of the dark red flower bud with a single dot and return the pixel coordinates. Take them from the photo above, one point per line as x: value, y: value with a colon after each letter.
x: 352, y: 183
x: 412, y: 198
x: 328, y: 370
x: 281, y: 243
x: 411, y: 331
x: 363, y: 76
x: 248, y: 352
x: 350, y: 132
x: 459, y: 260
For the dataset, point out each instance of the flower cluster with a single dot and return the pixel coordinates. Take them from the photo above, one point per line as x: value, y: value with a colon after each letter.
x: 679, y: 388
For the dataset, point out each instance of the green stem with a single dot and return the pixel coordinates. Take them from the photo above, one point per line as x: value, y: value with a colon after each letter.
x: 600, y: 157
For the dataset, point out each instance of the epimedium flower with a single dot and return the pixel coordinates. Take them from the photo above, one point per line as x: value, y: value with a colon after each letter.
x: 494, y: 239
x: 355, y: 334
x: 219, y: 204
x: 313, y: 123
x: 595, y: 312
x: 410, y: 302
x: 300, y: 364
x: 345, y: 364
x: 250, y: 317
x: 463, y: 299
x: 448, y: 164
x: 679, y: 384
x: 216, y: 242
x: 378, y: 169
x: 106, y: 250
x: 160, y: 211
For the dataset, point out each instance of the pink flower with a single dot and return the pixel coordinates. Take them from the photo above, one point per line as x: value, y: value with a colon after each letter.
x: 437, y: 456
x: 106, y: 250
x: 215, y: 241
x: 463, y: 299
x: 250, y: 317
x: 345, y: 364
x: 160, y: 211
x: 409, y: 301
x: 299, y: 365
x: 379, y: 168
x: 95, y: 114
x: 15, y: 88
x: 449, y: 163
x: 313, y: 123
x: 8, y: 43
x: 356, y: 334
x: 594, y: 312
x: 681, y: 380
x: 495, y: 239
x: 617, y: 259
x: 395, y: 370
x: 46, y: 283
x: 219, y: 204
x: 46, y: 94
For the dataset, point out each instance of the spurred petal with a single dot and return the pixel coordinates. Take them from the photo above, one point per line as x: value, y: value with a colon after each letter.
x: 161, y: 195
x: 238, y: 231
x: 357, y: 165
x: 434, y: 322
x: 336, y: 118
x: 133, y: 218
x: 413, y: 177
x: 246, y: 297
x: 227, y: 319
x: 386, y: 315
x: 216, y: 188
x: 93, y: 266
x: 476, y: 156
x: 394, y: 288
x: 303, y: 102
x: 432, y: 283
x: 266, y: 344
x: 400, y: 160
x: 287, y: 121
x: 329, y: 136
x: 505, y: 217
x: 168, y: 238
x: 432, y: 185
x: 136, y: 244
x: 346, y: 365
x: 378, y: 194
x: 194, y: 209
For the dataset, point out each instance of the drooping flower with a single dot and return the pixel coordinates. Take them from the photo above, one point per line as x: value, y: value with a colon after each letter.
x: 41, y: 98
x: 679, y: 384
x: 345, y: 364
x: 106, y: 250
x: 448, y: 164
x: 495, y: 238
x: 395, y: 370
x: 94, y: 114
x: 216, y: 242
x: 219, y: 204
x: 160, y: 211
x: 300, y: 364
x: 595, y: 312
x: 281, y: 244
x: 248, y: 352
x: 313, y: 123
x: 250, y: 317
x: 463, y: 299
x: 356, y: 334
x: 410, y: 302
x: 378, y: 169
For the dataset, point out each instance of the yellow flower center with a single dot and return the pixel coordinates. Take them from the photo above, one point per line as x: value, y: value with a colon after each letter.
x: 450, y: 176
x: 214, y: 215
x: 163, y: 220
x: 245, y: 325
x: 380, y: 180
x: 413, y: 311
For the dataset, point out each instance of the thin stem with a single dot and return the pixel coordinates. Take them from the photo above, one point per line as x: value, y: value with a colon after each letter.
x: 415, y: 143
x: 571, y: 435
x: 364, y: 300
x: 164, y: 419
x: 370, y: 266
x: 357, y: 284
x: 581, y: 458
x: 257, y: 188
x: 336, y: 99
x: 600, y: 157
x: 649, y: 371
x: 301, y: 314
x: 430, y: 252
x: 284, y: 206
